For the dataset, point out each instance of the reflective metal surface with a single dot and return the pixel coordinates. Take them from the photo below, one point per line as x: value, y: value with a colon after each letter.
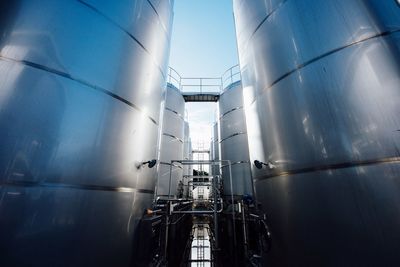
x: 321, y: 87
x: 233, y: 141
x: 80, y: 91
x: 172, y: 142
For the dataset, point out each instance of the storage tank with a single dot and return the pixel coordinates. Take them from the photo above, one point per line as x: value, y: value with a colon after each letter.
x: 321, y: 91
x: 81, y: 86
x: 172, y: 143
x: 233, y: 141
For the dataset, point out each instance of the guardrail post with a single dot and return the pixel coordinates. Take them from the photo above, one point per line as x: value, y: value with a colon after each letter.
x: 231, y: 76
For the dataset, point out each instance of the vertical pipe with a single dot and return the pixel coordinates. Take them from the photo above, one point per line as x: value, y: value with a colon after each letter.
x: 233, y: 211
x: 215, y: 212
x: 170, y: 178
x: 167, y: 213
x: 231, y: 75
x: 252, y: 185
x: 245, y: 245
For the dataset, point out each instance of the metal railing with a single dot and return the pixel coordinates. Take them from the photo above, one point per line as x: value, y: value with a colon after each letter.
x: 174, y: 78
x: 204, y: 84
x: 201, y: 85
x: 231, y: 76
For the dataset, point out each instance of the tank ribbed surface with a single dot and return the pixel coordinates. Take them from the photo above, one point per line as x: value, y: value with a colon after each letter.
x: 321, y: 92
x: 233, y: 141
x: 172, y: 142
x: 80, y: 93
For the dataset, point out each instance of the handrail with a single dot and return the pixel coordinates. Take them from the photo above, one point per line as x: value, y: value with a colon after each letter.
x: 204, y: 84
x: 174, y: 78
x: 201, y: 84
x: 230, y: 76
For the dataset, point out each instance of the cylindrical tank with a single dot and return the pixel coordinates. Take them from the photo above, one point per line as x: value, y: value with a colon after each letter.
x: 172, y: 143
x: 233, y: 142
x: 81, y: 86
x: 321, y: 89
x: 215, y: 149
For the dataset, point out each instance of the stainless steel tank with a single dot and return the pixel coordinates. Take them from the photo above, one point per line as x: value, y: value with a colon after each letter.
x: 233, y: 142
x: 321, y: 90
x: 172, y: 143
x: 80, y: 91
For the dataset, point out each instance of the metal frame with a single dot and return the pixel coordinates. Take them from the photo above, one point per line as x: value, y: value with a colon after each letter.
x: 202, y: 85
x: 230, y: 76
x: 215, y: 211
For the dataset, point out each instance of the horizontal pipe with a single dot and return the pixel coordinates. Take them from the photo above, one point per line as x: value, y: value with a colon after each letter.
x: 198, y: 211
x: 193, y: 212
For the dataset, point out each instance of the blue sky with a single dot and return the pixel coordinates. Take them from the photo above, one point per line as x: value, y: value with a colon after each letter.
x: 203, y: 45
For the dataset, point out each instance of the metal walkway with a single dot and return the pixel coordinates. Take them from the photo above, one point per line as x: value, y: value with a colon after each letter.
x: 203, y: 89
x: 200, y: 97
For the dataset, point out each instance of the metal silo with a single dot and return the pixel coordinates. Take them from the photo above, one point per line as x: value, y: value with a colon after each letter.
x: 81, y: 86
x: 233, y: 141
x: 172, y: 143
x: 321, y: 91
